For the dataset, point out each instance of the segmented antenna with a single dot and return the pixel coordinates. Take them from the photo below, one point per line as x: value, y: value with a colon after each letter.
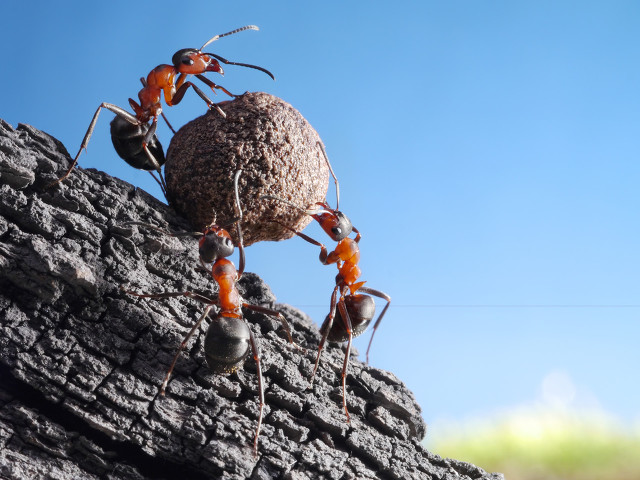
x: 216, y: 37
x: 235, y: 186
x: 335, y: 179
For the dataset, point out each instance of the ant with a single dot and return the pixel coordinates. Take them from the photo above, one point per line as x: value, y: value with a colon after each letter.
x: 228, y: 338
x: 350, y: 304
x: 133, y: 135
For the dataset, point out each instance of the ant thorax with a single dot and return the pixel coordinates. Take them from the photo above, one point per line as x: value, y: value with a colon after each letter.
x: 225, y: 274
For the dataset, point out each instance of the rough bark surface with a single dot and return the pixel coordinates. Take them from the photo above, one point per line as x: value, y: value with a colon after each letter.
x: 81, y: 361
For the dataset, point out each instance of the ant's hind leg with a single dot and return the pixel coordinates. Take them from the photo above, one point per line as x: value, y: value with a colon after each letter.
x: 195, y: 296
x: 160, y: 182
x: 177, y: 97
x: 201, y: 298
x: 87, y: 136
x: 279, y: 316
x: 256, y: 357
x: 347, y: 323
x: 156, y: 165
x: 183, y: 344
x: 325, y: 329
x: 384, y: 296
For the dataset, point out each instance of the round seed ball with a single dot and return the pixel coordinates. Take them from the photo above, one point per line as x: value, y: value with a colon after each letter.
x: 278, y: 152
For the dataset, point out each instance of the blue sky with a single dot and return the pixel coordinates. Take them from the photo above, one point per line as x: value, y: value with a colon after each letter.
x: 488, y: 152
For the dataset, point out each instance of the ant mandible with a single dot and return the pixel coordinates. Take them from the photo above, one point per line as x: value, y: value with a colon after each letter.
x: 228, y: 338
x: 133, y: 136
x: 350, y: 303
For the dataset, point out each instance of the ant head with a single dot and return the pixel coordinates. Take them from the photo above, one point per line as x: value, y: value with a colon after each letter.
x: 193, y: 62
x: 215, y: 244
x: 335, y: 223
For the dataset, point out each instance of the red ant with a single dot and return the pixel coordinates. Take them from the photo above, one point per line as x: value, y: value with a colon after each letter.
x: 133, y: 136
x: 228, y: 338
x: 349, y: 302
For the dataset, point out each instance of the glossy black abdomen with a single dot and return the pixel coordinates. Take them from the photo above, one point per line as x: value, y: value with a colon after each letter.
x: 127, y: 141
x: 226, y: 344
x: 361, y: 310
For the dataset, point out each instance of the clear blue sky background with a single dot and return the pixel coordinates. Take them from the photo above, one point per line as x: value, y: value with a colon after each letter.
x: 488, y: 151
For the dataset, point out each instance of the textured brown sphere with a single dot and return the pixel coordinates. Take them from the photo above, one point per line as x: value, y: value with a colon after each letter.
x: 277, y: 151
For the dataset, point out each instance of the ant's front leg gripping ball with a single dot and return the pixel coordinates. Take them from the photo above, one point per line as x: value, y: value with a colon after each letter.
x: 278, y: 152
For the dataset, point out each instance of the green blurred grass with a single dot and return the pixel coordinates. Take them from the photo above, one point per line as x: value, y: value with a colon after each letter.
x: 543, y: 444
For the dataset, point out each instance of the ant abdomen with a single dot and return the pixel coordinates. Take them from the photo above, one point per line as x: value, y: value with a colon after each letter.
x: 361, y: 310
x: 127, y: 140
x: 227, y: 344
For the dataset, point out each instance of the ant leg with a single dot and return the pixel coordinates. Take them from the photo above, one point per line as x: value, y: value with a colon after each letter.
x: 347, y: 323
x: 87, y: 136
x: 151, y: 131
x: 256, y: 357
x: 167, y: 122
x: 159, y: 182
x: 384, y: 296
x: 183, y: 344
x: 147, y: 139
x: 145, y: 142
x: 215, y: 85
x: 325, y: 329
x: 165, y: 232
x: 206, y: 99
x: 177, y: 97
x: 325, y: 258
x: 279, y: 316
x: 195, y: 296
x: 358, y: 236
x: 323, y: 249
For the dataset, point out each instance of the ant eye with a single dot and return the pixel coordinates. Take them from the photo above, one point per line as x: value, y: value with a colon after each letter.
x: 336, y: 230
x: 182, y: 57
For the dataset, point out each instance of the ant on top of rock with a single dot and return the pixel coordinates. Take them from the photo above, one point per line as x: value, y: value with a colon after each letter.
x: 133, y: 135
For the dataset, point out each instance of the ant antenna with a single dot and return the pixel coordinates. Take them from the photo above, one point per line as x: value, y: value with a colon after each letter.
x: 213, y: 221
x: 237, y: 206
x: 216, y: 37
x: 235, y: 185
x: 335, y: 179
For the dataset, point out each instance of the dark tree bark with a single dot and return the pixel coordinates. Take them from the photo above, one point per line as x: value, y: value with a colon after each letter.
x: 81, y: 361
